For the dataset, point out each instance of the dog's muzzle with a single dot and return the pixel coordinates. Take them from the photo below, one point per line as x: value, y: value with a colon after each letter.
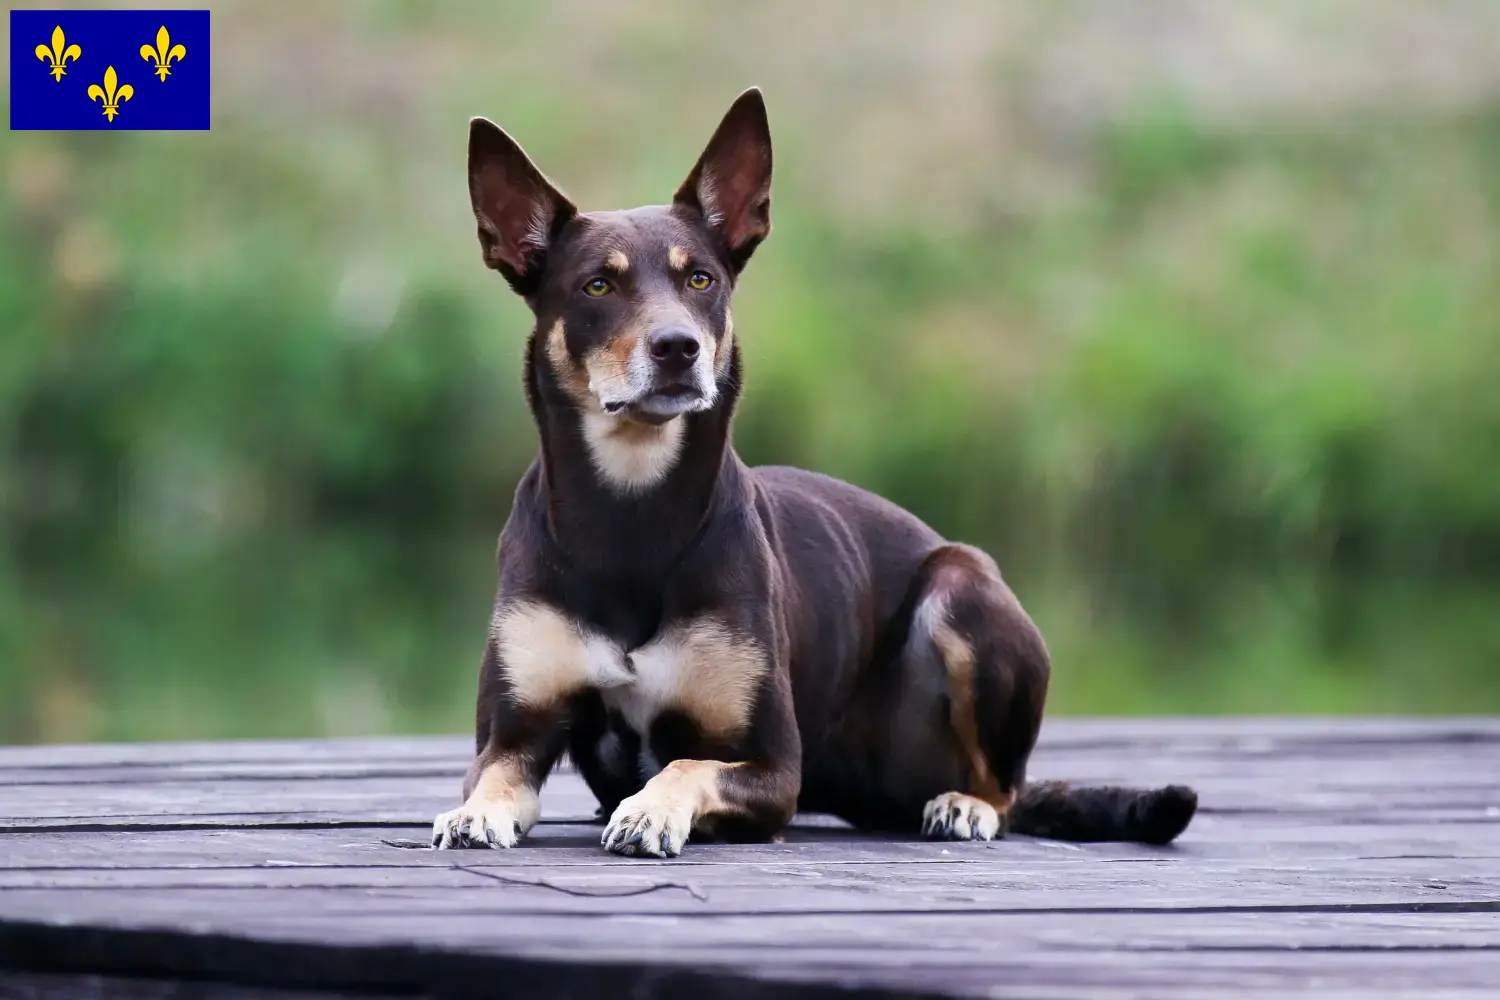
x: 671, y: 373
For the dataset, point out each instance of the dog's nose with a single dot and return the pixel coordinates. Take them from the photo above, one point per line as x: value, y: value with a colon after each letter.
x: 674, y: 348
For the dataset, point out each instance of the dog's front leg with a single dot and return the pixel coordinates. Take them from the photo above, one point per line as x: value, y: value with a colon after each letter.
x: 693, y: 794
x: 501, y: 804
x: 755, y: 795
x: 518, y: 742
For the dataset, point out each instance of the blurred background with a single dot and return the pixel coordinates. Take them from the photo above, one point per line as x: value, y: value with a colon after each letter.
x: 1188, y: 311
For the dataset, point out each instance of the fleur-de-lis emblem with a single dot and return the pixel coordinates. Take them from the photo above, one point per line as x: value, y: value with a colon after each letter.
x: 59, y: 54
x: 164, y: 53
x: 110, y: 95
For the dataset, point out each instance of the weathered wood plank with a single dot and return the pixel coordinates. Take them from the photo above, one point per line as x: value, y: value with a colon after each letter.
x: 44, y: 986
x: 1338, y: 857
x: 389, y: 799
x: 1213, y: 840
x: 516, y: 889
x: 1376, y: 782
x: 1202, y: 739
x: 364, y: 918
x: 188, y: 753
x: 983, y: 955
x: 1243, y: 733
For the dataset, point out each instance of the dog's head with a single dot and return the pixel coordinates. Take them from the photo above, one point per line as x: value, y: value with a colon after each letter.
x: 632, y: 307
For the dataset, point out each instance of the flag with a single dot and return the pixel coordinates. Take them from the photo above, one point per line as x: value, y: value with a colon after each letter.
x: 109, y: 69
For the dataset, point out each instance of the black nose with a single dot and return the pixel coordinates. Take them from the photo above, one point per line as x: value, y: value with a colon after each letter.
x: 674, y: 348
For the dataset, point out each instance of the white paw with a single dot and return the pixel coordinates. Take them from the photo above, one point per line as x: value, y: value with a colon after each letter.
x: 956, y: 816
x: 643, y: 825
x: 480, y: 824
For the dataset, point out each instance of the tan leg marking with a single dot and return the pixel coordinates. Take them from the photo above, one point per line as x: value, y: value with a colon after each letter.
x: 677, y: 258
x: 703, y: 670
x: 658, y: 819
x: 617, y: 261
x: 958, y: 657
x: 979, y: 812
x: 500, y: 810
x: 547, y: 656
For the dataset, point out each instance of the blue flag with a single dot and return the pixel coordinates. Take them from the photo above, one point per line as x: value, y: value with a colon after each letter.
x: 109, y: 69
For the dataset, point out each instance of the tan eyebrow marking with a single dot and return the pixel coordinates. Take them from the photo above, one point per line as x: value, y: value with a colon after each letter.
x: 617, y: 261
x: 677, y: 258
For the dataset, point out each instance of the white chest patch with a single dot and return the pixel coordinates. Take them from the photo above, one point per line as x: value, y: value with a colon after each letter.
x: 702, y: 669
x: 653, y: 689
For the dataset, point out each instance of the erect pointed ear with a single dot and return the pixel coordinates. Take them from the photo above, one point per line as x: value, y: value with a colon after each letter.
x: 519, y: 212
x: 731, y: 185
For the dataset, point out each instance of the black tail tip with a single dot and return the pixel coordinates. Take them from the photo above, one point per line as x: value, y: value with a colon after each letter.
x: 1165, y: 813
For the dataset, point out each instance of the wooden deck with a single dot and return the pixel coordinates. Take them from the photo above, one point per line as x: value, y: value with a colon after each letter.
x: 1352, y: 858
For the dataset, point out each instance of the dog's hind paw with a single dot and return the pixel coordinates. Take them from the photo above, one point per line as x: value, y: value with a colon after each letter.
x: 956, y: 816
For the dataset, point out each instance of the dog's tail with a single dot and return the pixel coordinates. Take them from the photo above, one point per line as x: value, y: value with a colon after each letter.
x: 1057, y: 811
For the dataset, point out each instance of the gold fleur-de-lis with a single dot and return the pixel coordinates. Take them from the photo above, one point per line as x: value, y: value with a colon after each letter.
x: 110, y: 95
x: 164, y: 53
x: 59, y: 54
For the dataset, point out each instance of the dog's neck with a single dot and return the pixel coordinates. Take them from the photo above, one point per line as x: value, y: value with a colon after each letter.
x: 624, y: 499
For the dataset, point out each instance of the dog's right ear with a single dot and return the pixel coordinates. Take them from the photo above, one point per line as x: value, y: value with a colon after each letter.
x: 518, y: 210
x: 731, y: 183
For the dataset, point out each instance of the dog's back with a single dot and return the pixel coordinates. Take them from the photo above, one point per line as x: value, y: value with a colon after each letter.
x: 848, y: 556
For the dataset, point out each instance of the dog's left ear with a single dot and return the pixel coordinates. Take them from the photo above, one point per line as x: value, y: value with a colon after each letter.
x: 731, y: 184
x: 518, y: 210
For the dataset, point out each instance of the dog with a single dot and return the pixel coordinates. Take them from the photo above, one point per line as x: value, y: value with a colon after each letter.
x: 717, y: 646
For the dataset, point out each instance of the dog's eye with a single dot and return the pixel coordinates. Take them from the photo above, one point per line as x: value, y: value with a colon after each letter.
x: 597, y: 287
x: 699, y: 280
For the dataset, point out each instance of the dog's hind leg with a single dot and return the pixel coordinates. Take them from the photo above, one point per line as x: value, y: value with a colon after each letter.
x: 996, y: 670
x: 969, y: 632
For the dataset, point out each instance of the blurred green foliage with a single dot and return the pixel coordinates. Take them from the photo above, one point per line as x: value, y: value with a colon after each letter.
x: 1222, y: 400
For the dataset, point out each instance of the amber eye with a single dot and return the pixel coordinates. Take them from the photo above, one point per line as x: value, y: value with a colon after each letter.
x: 699, y: 280
x: 597, y: 287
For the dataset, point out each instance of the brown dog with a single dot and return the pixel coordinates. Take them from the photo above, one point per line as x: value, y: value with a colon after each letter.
x: 718, y: 646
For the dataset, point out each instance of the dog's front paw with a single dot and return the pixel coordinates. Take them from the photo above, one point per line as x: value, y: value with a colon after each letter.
x: 956, y: 816
x: 479, y: 824
x: 645, y: 825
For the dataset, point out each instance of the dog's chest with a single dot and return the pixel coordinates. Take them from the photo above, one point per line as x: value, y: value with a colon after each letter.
x: 702, y: 669
x: 655, y: 679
